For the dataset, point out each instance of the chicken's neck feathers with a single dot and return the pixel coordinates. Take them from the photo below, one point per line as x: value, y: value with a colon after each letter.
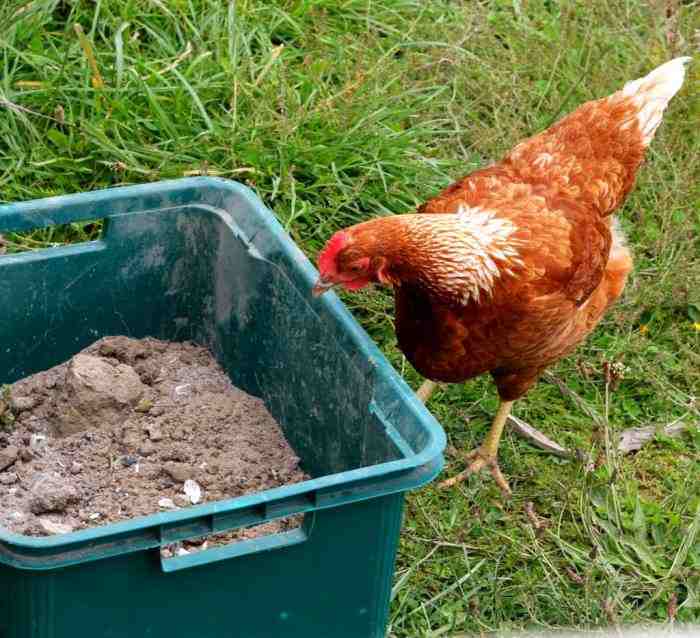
x: 456, y: 257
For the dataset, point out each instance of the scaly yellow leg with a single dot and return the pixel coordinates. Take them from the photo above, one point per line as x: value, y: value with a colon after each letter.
x: 426, y: 390
x: 486, y: 455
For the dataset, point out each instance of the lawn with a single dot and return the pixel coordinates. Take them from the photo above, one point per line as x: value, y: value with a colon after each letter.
x: 335, y: 111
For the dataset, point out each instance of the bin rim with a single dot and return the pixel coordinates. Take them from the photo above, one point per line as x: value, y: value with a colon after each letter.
x: 357, y: 484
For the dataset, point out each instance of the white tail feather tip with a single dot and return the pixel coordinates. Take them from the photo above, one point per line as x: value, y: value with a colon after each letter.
x: 652, y: 93
x: 667, y: 78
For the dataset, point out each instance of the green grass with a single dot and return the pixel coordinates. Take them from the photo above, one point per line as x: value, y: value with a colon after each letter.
x: 369, y: 108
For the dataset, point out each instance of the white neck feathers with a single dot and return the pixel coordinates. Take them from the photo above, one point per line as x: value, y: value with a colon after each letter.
x: 466, y: 252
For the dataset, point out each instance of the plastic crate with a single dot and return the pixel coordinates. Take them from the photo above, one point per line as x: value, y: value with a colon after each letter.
x: 203, y: 260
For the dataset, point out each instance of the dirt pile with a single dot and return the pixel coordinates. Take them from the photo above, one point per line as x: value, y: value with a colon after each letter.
x: 128, y: 428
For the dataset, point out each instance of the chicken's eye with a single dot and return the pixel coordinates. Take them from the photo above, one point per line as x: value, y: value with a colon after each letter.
x: 358, y: 267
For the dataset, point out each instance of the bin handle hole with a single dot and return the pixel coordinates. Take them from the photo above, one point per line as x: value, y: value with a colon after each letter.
x: 212, y: 548
x: 51, y: 236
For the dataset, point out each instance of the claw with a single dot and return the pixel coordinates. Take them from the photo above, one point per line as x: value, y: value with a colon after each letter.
x: 479, y: 461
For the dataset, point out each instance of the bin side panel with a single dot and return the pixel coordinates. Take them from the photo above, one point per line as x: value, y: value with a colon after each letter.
x: 334, y: 585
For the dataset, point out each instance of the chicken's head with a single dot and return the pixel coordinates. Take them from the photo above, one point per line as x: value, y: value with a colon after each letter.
x: 350, y: 260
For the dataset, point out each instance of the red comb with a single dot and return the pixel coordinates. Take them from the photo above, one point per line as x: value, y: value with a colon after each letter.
x: 326, y: 260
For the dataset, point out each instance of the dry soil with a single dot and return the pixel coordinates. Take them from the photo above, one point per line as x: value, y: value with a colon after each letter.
x: 128, y: 428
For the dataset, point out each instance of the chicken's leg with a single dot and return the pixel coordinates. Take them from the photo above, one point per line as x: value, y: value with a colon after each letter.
x: 426, y: 390
x: 486, y: 455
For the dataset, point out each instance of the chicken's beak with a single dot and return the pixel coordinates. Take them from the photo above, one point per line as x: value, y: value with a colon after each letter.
x: 321, y: 287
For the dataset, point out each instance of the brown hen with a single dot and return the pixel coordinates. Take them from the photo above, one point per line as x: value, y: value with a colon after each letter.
x: 508, y: 269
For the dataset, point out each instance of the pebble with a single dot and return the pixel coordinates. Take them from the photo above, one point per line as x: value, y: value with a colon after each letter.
x: 128, y: 461
x: 108, y: 349
x: 131, y: 439
x: 178, y: 471
x: 50, y: 493
x: 193, y: 491
x: 183, y: 390
x: 76, y: 468
x: 22, y: 404
x: 9, y: 478
x: 38, y: 441
x: 144, y: 406
x: 54, y: 528
x: 36, y: 424
x: 99, y: 391
x: 26, y: 455
x: 147, y: 449
x: 166, y: 503
x: 8, y: 456
x: 154, y: 433
x: 147, y: 371
x: 174, y: 455
x: 179, y: 434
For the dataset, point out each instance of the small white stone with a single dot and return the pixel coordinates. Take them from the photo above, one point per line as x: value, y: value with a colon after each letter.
x: 54, y: 528
x: 193, y: 491
x: 37, y: 441
x: 166, y: 503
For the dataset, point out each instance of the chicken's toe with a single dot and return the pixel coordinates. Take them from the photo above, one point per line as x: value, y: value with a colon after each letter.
x: 479, y: 461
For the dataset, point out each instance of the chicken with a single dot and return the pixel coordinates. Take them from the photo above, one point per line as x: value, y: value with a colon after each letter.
x: 510, y: 268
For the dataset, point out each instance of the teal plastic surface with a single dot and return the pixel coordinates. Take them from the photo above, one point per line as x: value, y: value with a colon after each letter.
x: 202, y: 259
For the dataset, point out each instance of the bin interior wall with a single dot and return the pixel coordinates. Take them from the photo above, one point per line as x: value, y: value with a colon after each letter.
x: 182, y: 274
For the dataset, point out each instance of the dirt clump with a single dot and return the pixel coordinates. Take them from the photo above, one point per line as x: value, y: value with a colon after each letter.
x: 131, y: 427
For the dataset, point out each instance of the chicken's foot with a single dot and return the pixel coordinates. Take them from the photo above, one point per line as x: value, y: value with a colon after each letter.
x: 486, y: 455
x: 479, y: 463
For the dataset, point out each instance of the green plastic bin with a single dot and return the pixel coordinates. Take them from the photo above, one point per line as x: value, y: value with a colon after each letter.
x: 203, y: 260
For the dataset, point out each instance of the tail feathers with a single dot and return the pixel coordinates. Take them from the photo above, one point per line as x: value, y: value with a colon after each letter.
x: 652, y: 93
